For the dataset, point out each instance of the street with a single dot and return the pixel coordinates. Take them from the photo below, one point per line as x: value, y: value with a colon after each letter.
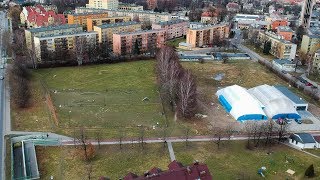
x: 3, y: 27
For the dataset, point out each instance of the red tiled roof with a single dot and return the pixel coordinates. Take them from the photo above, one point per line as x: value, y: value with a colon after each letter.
x: 41, y: 18
x: 232, y: 5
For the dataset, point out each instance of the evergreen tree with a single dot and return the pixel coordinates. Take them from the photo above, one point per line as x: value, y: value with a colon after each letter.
x: 267, y: 47
x: 310, y: 171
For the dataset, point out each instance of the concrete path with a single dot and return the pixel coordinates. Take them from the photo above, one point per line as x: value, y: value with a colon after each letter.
x: 171, y: 152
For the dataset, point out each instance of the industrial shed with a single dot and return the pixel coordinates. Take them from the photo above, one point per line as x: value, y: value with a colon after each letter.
x: 240, y: 104
x: 298, y: 102
x: 277, y: 105
x: 303, y: 140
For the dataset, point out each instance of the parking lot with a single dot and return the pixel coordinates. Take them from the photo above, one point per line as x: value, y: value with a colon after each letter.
x: 305, y: 115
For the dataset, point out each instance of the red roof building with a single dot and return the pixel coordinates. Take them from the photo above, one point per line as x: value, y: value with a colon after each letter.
x: 176, y: 171
x: 40, y: 16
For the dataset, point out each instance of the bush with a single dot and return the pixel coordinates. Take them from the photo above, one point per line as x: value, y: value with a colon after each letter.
x: 310, y: 171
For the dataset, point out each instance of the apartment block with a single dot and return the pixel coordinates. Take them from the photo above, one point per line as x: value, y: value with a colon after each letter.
x: 50, y: 43
x: 174, y: 28
x: 280, y: 48
x: 103, y: 4
x: 142, y: 41
x: 310, y: 43
x: 106, y: 31
x: 286, y: 32
x: 316, y: 61
x: 106, y: 20
x: 50, y: 30
x: 200, y: 36
x: 130, y: 7
x: 143, y: 16
x: 81, y: 18
x: 279, y: 22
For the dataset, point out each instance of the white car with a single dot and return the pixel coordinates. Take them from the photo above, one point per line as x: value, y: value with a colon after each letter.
x: 1, y: 66
x: 1, y: 77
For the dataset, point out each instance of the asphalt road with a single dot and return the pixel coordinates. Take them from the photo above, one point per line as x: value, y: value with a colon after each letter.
x: 3, y: 26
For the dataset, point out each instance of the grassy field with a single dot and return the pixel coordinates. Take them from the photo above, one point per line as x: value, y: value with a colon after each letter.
x: 234, y: 161
x: 62, y: 162
x: 260, y: 52
x: 231, y: 161
x: 175, y: 42
x: 105, y: 98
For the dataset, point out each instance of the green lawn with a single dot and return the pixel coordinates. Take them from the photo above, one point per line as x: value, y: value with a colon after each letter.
x: 234, y: 161
x: 105, y: 98
x: 260, y: 52
x: 175, y: 42
x: 111, y: 161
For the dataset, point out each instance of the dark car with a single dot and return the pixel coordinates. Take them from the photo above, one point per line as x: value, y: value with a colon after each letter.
x: 298, y: 121
x: 308, y: 84
x: 288, y: 121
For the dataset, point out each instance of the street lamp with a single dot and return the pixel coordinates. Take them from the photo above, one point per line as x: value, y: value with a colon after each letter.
x: 69, y: 115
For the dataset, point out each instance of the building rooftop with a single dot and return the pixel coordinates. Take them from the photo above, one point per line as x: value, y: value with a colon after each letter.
x: 120, y: 10
x: 141, y: 32
x: 52, y: 28
x: 293, y: 97
x: 50, y: 36
x: 112, y: 17
x: 303, y: 138
x: 103, y: 26
x: 208, y: 26
x: 128, y: 5
x: 175, y: 21
x: 283, y: 61
x: 285, y: 29
x: 87, y: 13
x: 276, y: 37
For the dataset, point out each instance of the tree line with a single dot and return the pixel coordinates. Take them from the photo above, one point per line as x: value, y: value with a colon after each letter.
x: 177, y: 85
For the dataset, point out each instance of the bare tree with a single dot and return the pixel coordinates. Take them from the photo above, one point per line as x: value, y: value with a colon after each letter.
x: 218, y: 135
x: 269, y: 131
x: 121, y: 136
x: 89, y: 170
x: 87, y: 150
x: 187, y: 135
x: 141, y: 136
x: 80, y: 49
x: 187, y: 95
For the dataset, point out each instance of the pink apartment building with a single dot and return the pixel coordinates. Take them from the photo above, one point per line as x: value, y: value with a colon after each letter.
x: 174, y: 28
x: 141, y: 41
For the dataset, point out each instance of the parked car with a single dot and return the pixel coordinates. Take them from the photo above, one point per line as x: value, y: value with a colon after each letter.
x: 281, y: 121
x: 298, y: 121
x: 1, y: 77
x: 1, y: 66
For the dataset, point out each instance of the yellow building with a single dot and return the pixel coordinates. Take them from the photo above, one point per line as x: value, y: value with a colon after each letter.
x: 81, y: 18
x: 310, y: 44
x: 49, y: 30
x: 50, y: 43
x: 280, y: 48
x: 200, y: 36
x: 106, y: 31
x: 103, y: 4
x: 106, y: 20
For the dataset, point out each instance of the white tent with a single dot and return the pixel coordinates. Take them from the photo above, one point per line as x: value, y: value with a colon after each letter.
x: 240, y: 104
x: 277, y: 105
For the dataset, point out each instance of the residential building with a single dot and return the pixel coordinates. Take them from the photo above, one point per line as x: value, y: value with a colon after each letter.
x: 130, y: 7
x: 316, y: 61
x: 306, y: 13
x: 280, y: 48
x: 81, y: 18
x: 103, y: 4
x: 40, y: 16
x: 139, y: 42
x: 105, y: 20
x: 45, y: 44
x: 247, y: 17
x: 199, y: 37
x: 49, y: 30
x: 233, y: 7
x: 142, y: 16
x: 310, y: 43
x: 152, y: 4
x: 280, y: 22
x: 173, y: 28
x: 176, y: 171
x: 286, y: 32
x: 106, y: 31
x: 209, y: 18
x: 284, y: 65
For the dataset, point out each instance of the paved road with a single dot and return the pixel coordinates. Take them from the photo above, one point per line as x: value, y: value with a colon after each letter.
x: 3, y: 26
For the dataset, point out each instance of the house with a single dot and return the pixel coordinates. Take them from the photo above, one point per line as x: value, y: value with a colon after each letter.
x: 302, y: 140
x: 284, y: 65
x: 209, y: 17
x: 176, y: 171
x: 233, y: 7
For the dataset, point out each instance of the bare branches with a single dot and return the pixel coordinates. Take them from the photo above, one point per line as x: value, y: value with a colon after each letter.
x: 80, y: 49
x: 187, y: 93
